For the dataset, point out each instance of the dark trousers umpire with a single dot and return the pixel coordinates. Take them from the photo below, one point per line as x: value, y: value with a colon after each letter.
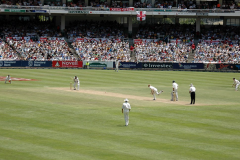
x: 192, y: 98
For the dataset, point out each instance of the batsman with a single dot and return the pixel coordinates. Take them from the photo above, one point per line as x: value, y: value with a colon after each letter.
x: 175, y: 91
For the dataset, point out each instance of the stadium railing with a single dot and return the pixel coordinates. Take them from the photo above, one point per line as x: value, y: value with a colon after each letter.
x: 47, y: 7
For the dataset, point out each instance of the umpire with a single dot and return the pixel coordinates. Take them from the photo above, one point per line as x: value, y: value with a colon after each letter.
x: 192, y: 91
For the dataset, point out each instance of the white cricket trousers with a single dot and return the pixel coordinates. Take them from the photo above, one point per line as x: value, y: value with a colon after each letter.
x: 236, y: 87
x: 156, y: 92
x: 78, y: 85
x: 176, y: 92
x: 126, y: 117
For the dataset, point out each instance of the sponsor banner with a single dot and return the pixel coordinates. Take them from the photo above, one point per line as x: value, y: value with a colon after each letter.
x: 10, y: 63
x: 176, y: 41
x: 221, y: 66
x: 186, y: 13
x: 156, y: 65
x: 128, y: 65
x: 139, y: 41
x: 99, y: 64
x: 201, y: 14
x: 37, y: 63
x: 56, y: 38
x: 52, y: 38
x: 67, y: 64
x: 14, y: 10
x: 122, y: 9
x: 227, y: 66
x: 43, y: 38
x: 78, y: 12
x: 18, y: 38
x: 99, y: 12
x: 188, y: 66
x: 80, y: 39
x: 209, y: 66
x: 97, y: 40
x: 218, y: 41
x: 37, y: 11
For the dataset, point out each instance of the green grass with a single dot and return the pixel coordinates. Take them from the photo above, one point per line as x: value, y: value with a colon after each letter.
x: 38, y: 121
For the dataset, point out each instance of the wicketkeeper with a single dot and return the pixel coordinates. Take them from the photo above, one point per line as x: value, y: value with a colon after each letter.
x: 76, y: 83
x: 8, y: 79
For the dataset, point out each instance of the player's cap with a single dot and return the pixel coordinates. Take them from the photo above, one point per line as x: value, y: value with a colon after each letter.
x: 191, y: 85
x: 126, y: 100
x: 173, y: 81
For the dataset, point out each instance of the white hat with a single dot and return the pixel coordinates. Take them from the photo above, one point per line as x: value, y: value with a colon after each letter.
x: 191, y: 85
x: 126, y: 100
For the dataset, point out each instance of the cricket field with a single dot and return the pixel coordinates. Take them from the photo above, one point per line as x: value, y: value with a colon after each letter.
x: 43, y: 119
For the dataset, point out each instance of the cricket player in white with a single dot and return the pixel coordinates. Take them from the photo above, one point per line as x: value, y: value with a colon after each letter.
x: 235, y: 83
x: 154, y: 91
x: 76, y: 83
x: 8, y: 79
x: 126, y: 107
x: 175, y: 90
x: 116, y: 64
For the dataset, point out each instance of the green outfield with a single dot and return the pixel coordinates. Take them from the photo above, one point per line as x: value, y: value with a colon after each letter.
x: 44, y: 120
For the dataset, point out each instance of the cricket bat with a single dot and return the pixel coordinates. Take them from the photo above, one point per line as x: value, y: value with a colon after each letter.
x: 174, y: 96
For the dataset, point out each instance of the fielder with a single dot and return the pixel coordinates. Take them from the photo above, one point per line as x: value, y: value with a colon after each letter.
x: 235, y: 83
x: 154, y: 91
x: 126, y: 107
x: 8, y: 79
x: 116, y: 64
x: 76, y: 83
x: 175, y: 90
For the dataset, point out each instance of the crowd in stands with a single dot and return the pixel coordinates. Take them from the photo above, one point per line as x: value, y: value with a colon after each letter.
x: 24, y: 39
x: 22, y: 2
x: 218, y: 53
x: 109, y: 49
x: 33, y: 28
x: 6, y: 52
x: 162, y: 52
x: 136, y: 3
x: 104, y: 51
x: 170, y: 31
x: 95, y: 29
x: 216, y: 32
x: 42, y: 50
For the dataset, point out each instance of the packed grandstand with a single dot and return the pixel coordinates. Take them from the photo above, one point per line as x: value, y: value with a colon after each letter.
x: 108, y: 40
x: 34, y: 40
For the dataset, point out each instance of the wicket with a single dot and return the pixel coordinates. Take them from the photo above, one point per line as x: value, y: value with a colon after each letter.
x: 70, y: 85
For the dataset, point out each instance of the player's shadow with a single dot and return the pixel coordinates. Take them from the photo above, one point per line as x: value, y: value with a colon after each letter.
x: 121, y: 125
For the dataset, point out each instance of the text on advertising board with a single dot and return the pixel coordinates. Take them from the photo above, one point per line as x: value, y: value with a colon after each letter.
x: 78, y: 12
x: 157, y: 65
x: 67, y: 64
